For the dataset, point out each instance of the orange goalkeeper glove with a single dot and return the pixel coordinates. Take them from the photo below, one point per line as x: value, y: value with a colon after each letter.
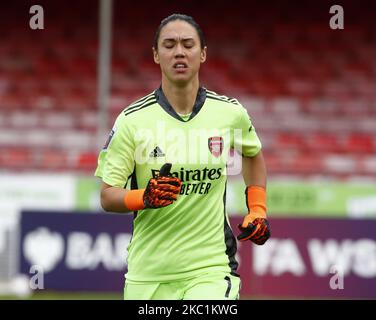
x: 255, y: 226
x: 160, y: 192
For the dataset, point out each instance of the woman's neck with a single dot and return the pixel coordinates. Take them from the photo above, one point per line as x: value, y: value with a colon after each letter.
x: 183, y: 98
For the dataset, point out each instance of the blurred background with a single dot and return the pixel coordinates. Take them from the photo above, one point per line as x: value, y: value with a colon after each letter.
x: 310, y: 91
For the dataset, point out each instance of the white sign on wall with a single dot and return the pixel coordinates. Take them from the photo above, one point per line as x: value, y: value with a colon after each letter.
x: 37, y: 191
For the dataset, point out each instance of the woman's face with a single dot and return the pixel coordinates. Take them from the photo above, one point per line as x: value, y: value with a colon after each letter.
x: 179, y: 53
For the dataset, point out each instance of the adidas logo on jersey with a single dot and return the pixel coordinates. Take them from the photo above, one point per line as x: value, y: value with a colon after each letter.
x: 157, y: 152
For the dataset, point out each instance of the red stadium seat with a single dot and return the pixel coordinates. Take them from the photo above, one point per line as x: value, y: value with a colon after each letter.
x: 87, y: 161
x: 324, y: 142
x: 289, y: 141
x: 16, y: 159
x: 361, y: 143
x: 306, y: 163
x: 52, y: 160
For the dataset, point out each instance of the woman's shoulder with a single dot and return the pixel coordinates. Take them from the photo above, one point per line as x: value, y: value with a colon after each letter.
x: 137, y: 107
x: 143, y: 99
x: 141, y: 103
x: 230, y: 103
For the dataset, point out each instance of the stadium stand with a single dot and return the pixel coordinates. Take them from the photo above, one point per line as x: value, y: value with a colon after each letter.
x: 310, y: 90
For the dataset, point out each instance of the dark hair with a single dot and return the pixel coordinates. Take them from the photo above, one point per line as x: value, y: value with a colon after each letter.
x: 183, y: 17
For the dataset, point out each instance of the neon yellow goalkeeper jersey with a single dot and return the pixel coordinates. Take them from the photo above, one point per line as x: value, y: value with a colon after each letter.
x: 192, y: 236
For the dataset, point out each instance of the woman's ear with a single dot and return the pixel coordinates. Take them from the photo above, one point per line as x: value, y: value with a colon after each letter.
x: 155, y: 56
x: 203, y: 55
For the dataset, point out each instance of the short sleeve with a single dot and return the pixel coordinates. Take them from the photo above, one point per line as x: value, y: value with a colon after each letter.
x: 246, y: 140
x: 116, y: 159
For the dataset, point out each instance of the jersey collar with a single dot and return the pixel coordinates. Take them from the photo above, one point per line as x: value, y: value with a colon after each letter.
x: 163, y: 102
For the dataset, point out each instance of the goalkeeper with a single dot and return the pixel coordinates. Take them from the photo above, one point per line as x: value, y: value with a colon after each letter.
x: 182, y: 245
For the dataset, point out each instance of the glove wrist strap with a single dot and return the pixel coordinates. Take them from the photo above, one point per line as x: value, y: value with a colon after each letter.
x: 134, y: 199
x: 256, y: 201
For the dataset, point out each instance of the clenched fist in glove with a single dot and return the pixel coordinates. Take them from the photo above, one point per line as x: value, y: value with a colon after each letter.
x: 160, y: 191
x: 255, y: 226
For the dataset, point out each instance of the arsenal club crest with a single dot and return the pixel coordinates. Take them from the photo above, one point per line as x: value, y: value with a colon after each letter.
x: 215, y: 145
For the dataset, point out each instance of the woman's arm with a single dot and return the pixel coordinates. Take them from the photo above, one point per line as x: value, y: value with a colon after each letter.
x: 159, y: 192
x: 255, y: 226
x: 254, y: 170
x: 112, y: 199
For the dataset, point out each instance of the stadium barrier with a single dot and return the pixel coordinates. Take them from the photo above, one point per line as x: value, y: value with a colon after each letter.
x: 305, y: 258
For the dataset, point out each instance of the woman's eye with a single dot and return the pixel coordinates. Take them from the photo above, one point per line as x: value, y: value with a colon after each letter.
x: 168, y: 44
x: 188, y: 44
